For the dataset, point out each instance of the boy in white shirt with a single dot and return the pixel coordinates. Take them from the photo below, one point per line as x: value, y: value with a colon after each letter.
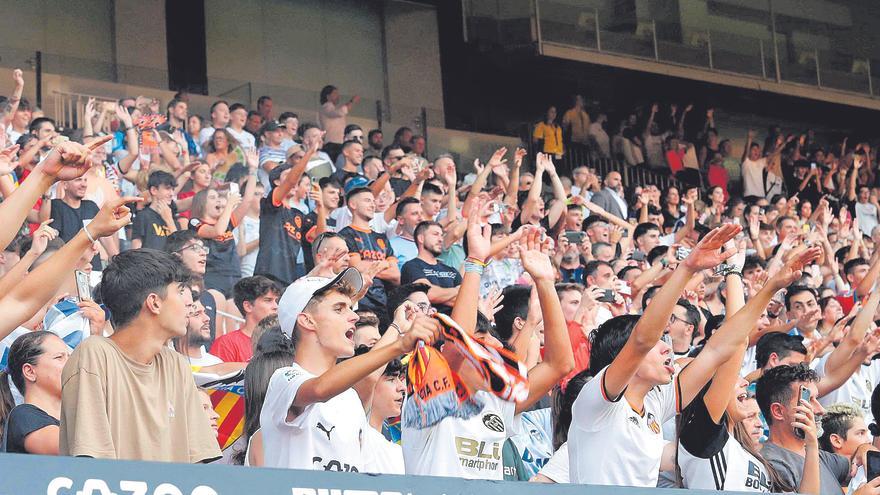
x: 312, y: 418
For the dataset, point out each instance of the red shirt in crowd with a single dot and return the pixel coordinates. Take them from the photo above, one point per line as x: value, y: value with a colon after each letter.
x: 234, y: 347
x: 580, y: 346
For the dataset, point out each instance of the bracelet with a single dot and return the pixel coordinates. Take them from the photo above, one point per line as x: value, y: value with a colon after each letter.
x: 476, y: 261
x: 724, y: 270
x: 472, y: 267
x: 396, y: 327
x: 86, y: 230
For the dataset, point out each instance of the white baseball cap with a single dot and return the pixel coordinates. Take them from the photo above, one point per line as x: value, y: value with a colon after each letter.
x: 301, y: 291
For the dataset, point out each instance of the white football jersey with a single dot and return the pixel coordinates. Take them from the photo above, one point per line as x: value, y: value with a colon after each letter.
x: 462, y: 448
x: 557, y: 467
x: 599, y: 422
x: 325, y: 436
x: 856, y: 391
x: 380, y: 455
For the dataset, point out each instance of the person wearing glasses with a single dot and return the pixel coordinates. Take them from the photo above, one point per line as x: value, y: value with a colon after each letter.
x: 682, y: 327
x: 192, y: 251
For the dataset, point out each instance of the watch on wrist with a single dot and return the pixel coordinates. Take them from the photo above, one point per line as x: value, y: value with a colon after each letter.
x: 725, y: 269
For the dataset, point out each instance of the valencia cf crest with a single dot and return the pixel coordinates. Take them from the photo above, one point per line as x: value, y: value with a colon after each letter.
x: 381, y: 243
x: 653, y: 424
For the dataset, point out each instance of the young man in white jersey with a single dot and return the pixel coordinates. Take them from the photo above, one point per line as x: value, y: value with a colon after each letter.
x: 472, y: 448
x: 312, y: 418
x: 633, y: 392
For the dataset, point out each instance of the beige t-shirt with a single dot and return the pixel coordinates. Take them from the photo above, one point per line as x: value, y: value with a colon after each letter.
x: 113, y: 407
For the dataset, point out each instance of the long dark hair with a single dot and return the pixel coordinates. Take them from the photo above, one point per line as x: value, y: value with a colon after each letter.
x: 26, y: 349
x: 256, y: 381
x: 325, y: 92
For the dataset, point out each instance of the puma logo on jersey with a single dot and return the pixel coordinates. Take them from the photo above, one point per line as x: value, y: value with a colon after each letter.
x: 325, y: 430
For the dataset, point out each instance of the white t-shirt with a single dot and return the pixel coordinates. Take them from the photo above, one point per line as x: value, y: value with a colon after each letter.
x: 325, y: 436
x: 753, y: 176
x: 380, y: 455
x: 856, y: 391
x: 557, y: 467
x: 600, y: 423
x: 244, y: 138
x: 205, y: 134
x: 251, y: 226
x: 866, y: 213
x: 462, y: 448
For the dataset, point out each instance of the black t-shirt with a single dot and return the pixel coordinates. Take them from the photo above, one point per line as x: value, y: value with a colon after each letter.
x: 281, y: 232
x: 69, y: 221
x: 311, y: 228
x: 343, y: 175
x: 149, y: 227
x: 223, y: 268
x: 440, y: 275
x: 24, y: 420
x: 699, y: 434
x: 371, y: 246
x: 399, y: 186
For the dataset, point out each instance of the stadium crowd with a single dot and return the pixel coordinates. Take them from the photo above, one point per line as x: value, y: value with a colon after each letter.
x: 383, y: 313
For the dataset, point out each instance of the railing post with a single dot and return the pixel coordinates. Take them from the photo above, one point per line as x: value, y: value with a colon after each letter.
x: 423, y: 115
x: 870, y: 82
x: 775, y: 44
x: 379, y: 114
x: 709, y: 46
x: 598, y: 35
x: 536, y: 11
x: 818, y: 71
x: 654, y: 32
x: 763, y: 66
x: 38, y: 70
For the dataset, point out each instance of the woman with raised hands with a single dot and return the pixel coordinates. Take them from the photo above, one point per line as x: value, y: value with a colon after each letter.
x: 707, y: 434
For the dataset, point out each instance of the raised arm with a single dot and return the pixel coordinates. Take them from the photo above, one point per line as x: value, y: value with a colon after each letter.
x: 346, y: 374
x: 650, y: 326
x: 15, y: 98
x: 37, y: 288
x: 464, y: 312
x: 531, y: 202
x: 557, y: 209
x: 749, y: 138
x: 253, y: 161
x: 558, y: 358
x: 844, y: 360
x: 67, y: 161
x: 292, y: 179
x: 733, y: 334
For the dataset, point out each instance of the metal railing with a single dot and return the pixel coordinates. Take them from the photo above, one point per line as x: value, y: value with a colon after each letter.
x: 69, y: 108
x: 584, y: 157
x: 748, y: 48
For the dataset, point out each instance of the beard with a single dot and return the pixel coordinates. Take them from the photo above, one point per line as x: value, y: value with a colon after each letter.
x: 434, y: 250
x: 196, y: 339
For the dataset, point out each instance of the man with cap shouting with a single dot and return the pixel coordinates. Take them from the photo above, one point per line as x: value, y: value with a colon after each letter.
x: 312, y: 418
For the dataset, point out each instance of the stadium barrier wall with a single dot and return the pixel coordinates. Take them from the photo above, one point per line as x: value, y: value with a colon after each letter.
x: 32, y: 474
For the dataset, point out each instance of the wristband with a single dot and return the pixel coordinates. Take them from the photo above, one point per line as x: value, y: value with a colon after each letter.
x: 472, y: 267
x: 396, y: 327
x: 476, y: 261
x: 86, y: 230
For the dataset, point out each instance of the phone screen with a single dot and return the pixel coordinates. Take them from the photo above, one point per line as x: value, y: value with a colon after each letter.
x: 805, y: 397
x: 83, y: 288
x: 873, y: 467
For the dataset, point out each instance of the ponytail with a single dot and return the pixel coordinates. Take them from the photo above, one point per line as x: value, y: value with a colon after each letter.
x: 777, y: 484
x: 26, y: 349
x: 6, y: 400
